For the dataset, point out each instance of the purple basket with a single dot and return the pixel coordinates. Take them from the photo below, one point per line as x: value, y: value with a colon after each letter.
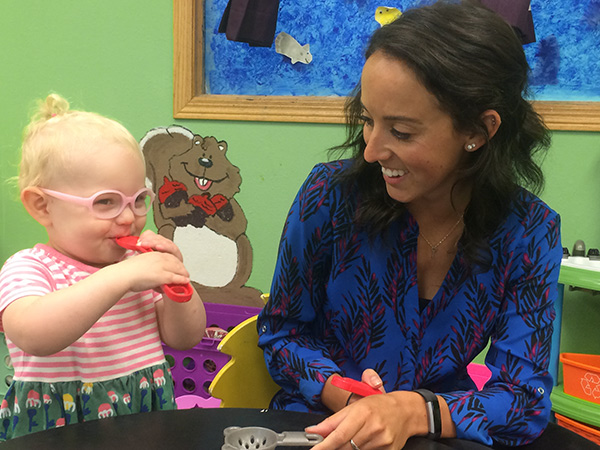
x: 228, y: 316
x: 193, y: 370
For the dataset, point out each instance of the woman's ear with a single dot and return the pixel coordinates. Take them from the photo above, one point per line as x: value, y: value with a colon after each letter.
x: 36, y: 204
x: 492, y: 121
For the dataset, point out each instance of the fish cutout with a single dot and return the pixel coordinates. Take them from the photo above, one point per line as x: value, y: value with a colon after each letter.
x: 386, y: 14
x: 288, y: 46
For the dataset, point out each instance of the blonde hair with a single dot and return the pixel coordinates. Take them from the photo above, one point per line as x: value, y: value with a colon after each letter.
x: 56, y: 133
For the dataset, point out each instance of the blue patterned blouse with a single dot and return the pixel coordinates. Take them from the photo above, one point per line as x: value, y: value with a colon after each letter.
x: 341, y: 303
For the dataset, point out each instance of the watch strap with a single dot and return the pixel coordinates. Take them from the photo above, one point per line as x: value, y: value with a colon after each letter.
x: 434, y: 417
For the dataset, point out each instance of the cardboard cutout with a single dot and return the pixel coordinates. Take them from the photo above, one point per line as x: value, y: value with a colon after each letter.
x: 251, y: 21
x: 286, y: 45
x: 194, y: 183
x: 518, y: 14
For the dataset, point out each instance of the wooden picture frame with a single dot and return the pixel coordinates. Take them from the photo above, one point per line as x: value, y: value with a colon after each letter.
x: 190, y: 101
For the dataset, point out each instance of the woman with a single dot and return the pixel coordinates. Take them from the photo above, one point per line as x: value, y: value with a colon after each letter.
x: 399, y: 265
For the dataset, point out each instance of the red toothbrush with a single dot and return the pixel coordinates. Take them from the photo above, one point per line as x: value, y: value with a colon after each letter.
x: 354, y: 386
x: 177, y: 292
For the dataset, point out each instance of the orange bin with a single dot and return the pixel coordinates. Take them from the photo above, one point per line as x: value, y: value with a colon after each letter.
x: 587, y: 431
x: 581, y: 376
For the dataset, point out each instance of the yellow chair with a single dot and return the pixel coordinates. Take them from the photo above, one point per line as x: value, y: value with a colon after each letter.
x: 244, y: 381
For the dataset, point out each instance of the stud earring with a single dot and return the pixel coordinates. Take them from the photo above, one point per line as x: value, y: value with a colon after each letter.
x: 470, y: 146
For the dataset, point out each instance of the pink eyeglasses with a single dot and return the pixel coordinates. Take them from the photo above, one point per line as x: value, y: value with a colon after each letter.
x: 109, y: 204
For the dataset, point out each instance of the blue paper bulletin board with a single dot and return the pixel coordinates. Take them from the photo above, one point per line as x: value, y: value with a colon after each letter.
x: 219, y: 79
x: 565, y: 59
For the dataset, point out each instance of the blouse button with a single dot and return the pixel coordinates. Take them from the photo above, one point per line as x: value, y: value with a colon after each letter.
x: 263, y: 328
x: 541, y: 390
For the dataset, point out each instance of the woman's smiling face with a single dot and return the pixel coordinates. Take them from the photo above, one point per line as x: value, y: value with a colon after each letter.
x: 408, y: 134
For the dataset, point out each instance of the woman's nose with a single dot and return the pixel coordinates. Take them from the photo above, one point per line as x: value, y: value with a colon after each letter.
x: 375, y: 149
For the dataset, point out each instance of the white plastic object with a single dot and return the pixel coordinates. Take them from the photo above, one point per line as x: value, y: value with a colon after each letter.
x: 249, y: 438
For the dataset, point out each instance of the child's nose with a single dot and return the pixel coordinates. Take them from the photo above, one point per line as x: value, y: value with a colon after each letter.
x: 126, y: 216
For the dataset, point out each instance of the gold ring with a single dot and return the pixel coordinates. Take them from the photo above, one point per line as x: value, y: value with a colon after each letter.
x: 354, y: 446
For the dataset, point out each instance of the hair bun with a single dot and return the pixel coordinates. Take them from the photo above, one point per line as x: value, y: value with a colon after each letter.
x: 54, y: 105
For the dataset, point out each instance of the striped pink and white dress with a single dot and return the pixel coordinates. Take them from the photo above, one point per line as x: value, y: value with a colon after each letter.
x: 117, y: 367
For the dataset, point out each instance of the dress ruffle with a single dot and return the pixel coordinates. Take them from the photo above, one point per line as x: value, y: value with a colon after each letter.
x: 31, y: 406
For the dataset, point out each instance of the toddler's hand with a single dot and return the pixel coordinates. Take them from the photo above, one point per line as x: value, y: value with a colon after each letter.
x: 151, y: 270
x: 159, y: 243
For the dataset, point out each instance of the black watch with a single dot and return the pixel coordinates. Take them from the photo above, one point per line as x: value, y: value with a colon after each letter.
x: 434, y: 417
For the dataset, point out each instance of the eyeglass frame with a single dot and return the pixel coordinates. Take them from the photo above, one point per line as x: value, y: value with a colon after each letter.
x: 89, y: 201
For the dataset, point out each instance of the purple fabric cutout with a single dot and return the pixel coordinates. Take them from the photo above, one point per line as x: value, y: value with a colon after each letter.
x: 250, y: 21
x: 517, y: 14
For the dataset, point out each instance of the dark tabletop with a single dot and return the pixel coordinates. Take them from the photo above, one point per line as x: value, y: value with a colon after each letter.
x: 203, y: 429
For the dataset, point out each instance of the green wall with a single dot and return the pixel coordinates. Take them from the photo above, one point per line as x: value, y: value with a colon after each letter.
x: 115, y: 58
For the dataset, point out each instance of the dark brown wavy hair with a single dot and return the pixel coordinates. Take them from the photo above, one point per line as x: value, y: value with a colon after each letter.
x: 471, y: 60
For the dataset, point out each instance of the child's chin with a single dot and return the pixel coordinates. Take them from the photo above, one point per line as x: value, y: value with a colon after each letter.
x: 113, y: 259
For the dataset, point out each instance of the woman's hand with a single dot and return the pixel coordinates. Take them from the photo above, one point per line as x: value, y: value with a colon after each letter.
x: 378, y: 421
x: 375, y: 422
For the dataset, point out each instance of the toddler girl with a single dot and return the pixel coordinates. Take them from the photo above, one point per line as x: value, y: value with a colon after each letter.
x: 84, y: 318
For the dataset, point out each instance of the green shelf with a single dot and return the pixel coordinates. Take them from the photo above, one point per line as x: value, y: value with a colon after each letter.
x: 574, y: 408
x: 583, y: 278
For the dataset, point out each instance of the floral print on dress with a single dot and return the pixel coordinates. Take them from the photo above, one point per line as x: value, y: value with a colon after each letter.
x: 53, y: 405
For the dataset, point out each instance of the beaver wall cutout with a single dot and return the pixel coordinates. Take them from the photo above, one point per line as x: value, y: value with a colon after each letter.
x: 195, y: 183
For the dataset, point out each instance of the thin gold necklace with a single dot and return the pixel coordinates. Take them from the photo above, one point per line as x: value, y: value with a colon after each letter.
x: 436, y: 246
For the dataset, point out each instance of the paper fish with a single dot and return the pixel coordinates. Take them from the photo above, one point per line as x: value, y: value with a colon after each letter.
x: 385, y: 15
x: 288, y: 46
